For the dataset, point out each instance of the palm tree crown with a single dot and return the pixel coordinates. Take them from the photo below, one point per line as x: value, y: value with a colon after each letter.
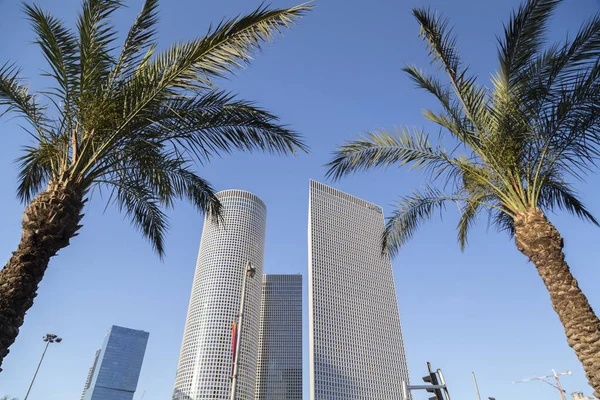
x: 521, y: 139
x: 135, y: 122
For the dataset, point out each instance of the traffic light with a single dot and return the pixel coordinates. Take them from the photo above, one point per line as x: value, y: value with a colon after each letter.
x: 432, y: 378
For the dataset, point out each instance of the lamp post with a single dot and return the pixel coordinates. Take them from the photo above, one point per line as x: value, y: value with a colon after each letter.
x: 250, y: 271
x: 49, y: 338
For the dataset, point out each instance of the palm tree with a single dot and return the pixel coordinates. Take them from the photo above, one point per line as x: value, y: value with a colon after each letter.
x: 132, y: 124
x: 520, y: 141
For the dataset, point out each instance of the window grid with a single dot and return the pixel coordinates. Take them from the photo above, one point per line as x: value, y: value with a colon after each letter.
x: 279, y: 367
x: 205, y: 359
x: 356, y: 348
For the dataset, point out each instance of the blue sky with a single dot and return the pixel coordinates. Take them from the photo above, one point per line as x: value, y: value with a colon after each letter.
x: 333, y: 76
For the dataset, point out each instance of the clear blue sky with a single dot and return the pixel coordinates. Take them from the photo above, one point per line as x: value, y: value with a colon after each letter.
x: 334, y: 75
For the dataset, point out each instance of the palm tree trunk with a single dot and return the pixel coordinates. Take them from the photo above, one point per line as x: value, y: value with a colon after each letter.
x: 49, y: 222
x: 539, y: 240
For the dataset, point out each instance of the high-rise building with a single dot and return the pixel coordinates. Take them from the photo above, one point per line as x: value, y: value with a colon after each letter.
x: 116, y: 369
x: 205, y: 361
x: 88, y: 379
x: 355, y: 339
x: 279, y: 368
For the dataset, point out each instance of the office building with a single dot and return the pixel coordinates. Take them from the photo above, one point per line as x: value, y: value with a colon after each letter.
x: 356, y: 350
x: 279, y: 367
x: 205, y: 361
x: 116, y: 369
x: 88, y: 379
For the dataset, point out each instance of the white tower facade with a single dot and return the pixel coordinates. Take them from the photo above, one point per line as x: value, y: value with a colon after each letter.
x: 356, y: 351
x: 205, y: 361
x: 279, y: 370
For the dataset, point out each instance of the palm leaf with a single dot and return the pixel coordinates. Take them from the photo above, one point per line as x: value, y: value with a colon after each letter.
x: 16, y: 97
x: 188, y: 67
x: 382, y: 149
x: 557, y: 194
x: 96, y: 35
x: 140, y: 39
x: 59, y: 46
x: 410, y: 212
x: 442, y: 48
x: 141, y: 205
x: 523, y: 38
x: 35, y: 169
x: 455, y: 120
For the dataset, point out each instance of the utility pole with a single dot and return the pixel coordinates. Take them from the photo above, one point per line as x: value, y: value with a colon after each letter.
x: 49, y: 338
x: 476, y: 386
x: 554, y: 375
x: 558, y: 385
x: 250, y: 271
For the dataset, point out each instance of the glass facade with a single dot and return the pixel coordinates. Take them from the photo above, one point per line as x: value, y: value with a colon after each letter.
x: 279, y: 367
x: 205, y: 360
x: 355, y: 338
x: 116, y: 369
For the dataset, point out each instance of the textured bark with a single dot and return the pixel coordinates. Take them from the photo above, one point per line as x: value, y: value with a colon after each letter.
x: 49, y: 222
x: 539, y: 240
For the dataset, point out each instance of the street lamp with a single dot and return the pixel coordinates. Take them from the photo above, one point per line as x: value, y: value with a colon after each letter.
x: 49, y: 338
x: 250, y: 271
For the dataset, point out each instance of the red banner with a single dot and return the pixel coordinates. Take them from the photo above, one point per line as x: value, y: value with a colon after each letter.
x: 233, y: 345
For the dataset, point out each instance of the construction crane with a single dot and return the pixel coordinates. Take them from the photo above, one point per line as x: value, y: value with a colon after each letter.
x: 554, y: 375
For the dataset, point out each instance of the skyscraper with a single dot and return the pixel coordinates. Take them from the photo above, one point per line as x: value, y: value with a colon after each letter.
x: 355, y: 339
x: 205, y: 361
x: 88, y: 379
x: 116, y: 369
x: 279, y: 368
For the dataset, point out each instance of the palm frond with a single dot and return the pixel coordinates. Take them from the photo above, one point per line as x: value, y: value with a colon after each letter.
x: 190, y: 65
x: 469, y: 213
x: 558, y: 67
x: 96, y: 36
x: 570, y: 128
x: 217, y: 121
x: 503, y: 221
x: 558, y: 194
x: 467, y: 218
x: 410, y: 212
x: 142, y: 206
x: 15, y: 96
x: 382, y: 149
x: 35, y: 169
x: 190, y: 186
x: 455, y: 120
x: 205, y: 125
x: 442, y: 48
x: 523, y: 37
x: 139, y: 40
x: 59, y: 46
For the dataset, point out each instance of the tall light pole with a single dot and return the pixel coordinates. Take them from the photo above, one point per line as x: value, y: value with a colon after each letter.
x: 476, y: 386
x: 49, y: 338
x: 250, y: 271
x: 554, y: 375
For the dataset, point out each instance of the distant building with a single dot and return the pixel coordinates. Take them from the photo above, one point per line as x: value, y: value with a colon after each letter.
x: 279, y: 366
x: 356, y: 348
x: 205, y: 360
x: 580, y: 396
x: 88, y: 379
x: 116, y: 369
